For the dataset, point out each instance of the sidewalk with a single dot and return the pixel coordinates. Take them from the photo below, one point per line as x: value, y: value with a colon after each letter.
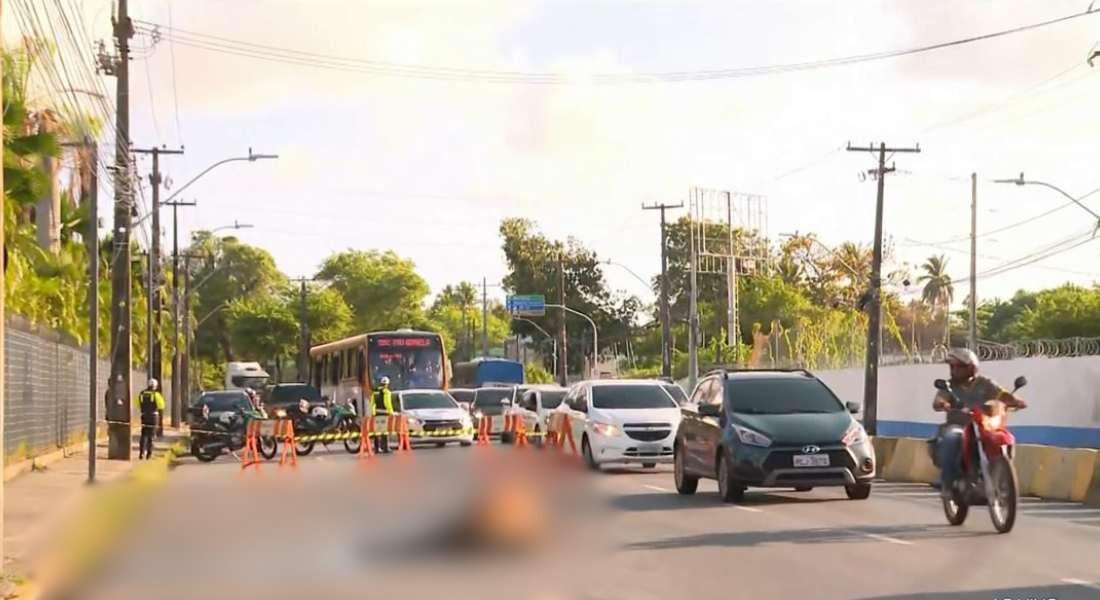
x: 38, y: 503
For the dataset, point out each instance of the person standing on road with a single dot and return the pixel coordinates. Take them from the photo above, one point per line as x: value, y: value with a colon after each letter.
x: 151, y: 405
x: 382, y: 399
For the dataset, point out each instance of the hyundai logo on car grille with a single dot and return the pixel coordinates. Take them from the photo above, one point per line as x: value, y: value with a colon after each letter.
x: 811, y: 449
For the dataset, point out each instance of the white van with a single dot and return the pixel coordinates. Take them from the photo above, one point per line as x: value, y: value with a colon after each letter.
x: 623, y: 421
x: 241, y: 375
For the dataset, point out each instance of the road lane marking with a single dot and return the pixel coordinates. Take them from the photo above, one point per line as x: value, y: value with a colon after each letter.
x: 748, y: 508
x: 884, y: 538
x: 1082, y: 583
x: 656, y: 488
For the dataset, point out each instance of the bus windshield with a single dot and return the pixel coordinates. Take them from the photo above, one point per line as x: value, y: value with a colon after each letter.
x: 410, y: 361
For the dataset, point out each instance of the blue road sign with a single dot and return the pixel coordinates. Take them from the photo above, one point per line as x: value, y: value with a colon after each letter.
x: 530, y: 305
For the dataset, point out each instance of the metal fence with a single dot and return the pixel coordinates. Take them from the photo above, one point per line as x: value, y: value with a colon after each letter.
x: 46, y: 390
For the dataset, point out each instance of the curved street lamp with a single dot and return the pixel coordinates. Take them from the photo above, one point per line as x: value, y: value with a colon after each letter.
x: 595, y: 333
x: 628, y: 270
x: 1021, y: 182
x: 553, y: 339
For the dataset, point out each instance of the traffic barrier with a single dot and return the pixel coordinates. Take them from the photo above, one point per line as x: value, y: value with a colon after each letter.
x: 1029, y: 463
x: 366, y: 432
x: 884, y: 451
x: 401, y: 424
x: 1066, y: 474
x: 562, y: 430
x: 285, y: 428
x: 251, y: 445
x: 911, y: 462
x: 519, y: 431
x: 484, y: 424
x: 1092, y: 497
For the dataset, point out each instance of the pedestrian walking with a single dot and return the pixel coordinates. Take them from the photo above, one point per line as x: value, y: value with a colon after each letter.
x: 151, y: 404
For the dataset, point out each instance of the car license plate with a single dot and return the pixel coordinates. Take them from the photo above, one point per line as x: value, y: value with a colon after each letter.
x: 811, y: 460
x: 649, y: 449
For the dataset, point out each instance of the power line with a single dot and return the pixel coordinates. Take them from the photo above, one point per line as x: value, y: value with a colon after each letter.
x: 175, y: 92
x: 1018, y: 223
x: 372, y: 67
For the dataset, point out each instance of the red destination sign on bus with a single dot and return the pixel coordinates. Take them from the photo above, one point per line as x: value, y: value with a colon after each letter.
x: 413, y: 342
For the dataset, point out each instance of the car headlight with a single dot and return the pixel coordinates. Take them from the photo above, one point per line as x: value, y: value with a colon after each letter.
x: 752, y: 438
x: 606, y: 429
x: 855, y: 435
x: 478, y: 414
x: 413, y: 421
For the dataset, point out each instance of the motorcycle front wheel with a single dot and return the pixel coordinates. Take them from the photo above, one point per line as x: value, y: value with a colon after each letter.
x: 352, y: 445
x: 269, y: 446
x: 204, y: 454
x: 304, y: 448
x: 1006, y: 491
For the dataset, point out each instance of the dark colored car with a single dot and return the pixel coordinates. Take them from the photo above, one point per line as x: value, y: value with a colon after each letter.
x: 285, y: 396
x: 218, y: 402
x: 769, y: 428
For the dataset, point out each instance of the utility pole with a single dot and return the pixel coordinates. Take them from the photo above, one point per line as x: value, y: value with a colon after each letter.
x: 119, y: 408
x: 874, y: 316
x: 178, y: 399
x: 563, y: 345
x: 731, y: 284
x: 693, y: 314
x: 93, y: 299
x: 666, y: 334
x: 154, y: 352
x: 303, y: 330
x: 185, y: 369
x: 484, y: 317
x: 973, y: 337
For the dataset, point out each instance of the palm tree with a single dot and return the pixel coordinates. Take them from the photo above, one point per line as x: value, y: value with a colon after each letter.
x: 938, y: 290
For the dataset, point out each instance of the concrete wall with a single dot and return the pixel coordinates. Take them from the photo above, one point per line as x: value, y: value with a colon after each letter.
x: 1063, y: 397
x: 46, y: 391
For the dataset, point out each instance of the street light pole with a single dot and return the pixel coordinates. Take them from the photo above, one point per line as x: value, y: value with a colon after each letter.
x: 1021, y: 182
x: 547, y: 334
x: 595, y: 334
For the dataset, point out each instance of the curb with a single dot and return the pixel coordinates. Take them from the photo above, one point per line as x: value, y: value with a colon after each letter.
x: 44, y: 460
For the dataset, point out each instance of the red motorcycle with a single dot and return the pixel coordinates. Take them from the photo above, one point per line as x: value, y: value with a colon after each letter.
x: 987, y: 475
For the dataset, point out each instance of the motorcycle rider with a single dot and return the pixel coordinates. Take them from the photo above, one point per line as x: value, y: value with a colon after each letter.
x: 972, y: 390
x: 382, y: 396
x: 151, y: 405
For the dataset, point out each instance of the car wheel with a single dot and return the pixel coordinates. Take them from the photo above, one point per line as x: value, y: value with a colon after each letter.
x: 728, y: 490
x: 685, y: 484
x: 440, y: 444
x: 803, y: 488
x: 589, y: 459
x: 506, y: 438
x: 859, y: 491
x: 465, y: 444
x: 539, y: 439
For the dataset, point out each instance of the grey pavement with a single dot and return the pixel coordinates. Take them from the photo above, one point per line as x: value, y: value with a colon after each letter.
x: 401, y: 525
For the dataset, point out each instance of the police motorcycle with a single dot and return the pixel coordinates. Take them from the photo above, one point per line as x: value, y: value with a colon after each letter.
x: 320, y: 419
x: 223, y: 430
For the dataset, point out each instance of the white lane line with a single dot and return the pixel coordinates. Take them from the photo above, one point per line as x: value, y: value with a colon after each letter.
x: 656, y: 488
x: 1082, y: 583
x: 748, y: 508
x: 884, y: 538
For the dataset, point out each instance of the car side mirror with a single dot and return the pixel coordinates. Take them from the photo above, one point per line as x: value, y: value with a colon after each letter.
x: 853, y: 407
x: 940, y: 385
x: 710, y: 410
x: 1020, y: 382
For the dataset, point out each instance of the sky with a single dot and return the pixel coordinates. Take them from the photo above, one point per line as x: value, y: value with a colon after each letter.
x: 428, y: 168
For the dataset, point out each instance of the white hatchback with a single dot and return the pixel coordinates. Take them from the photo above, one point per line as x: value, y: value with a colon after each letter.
x: 435, y: 417
x: 535, y: 405
x: 623, y: 421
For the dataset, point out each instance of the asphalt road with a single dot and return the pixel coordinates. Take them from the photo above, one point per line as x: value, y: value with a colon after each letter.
x: 399, y: 526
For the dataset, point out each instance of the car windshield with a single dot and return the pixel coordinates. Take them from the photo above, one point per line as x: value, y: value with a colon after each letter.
x: 676, y: 392
x: 462, y: 395
x: 638, y: 396
x: 552, y: 399
x: 487, y: 400
x: 780, y: 396
x: 225, y: 401
x: 422, y: 400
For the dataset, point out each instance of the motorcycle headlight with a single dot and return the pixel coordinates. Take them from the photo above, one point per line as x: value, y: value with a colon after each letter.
x: 280, y: 414
x: 752, y: 438
x: 606, y: 429
x: 855, y: 435
x: 994, y: 422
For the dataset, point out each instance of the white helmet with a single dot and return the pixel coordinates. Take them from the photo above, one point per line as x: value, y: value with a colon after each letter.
x: 153, y: 382
x: 963, y: 356
x: 385, y: 381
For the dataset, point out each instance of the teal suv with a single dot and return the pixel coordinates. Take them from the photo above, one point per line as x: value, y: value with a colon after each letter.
x: 772, y: 429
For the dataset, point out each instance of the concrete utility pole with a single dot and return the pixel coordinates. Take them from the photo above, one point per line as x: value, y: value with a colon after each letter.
x: 972, y: 339
x: 563, y: 344
x: 303, y: 329
x: 484, y: 317
x: 874, y: 314
x: 693, y: 316
x: 666, y: 334
x: 177, y: 398
x: 185, y: 369
x: 731, y: 285
x: 93, y: 299
x: 154, y: 353
x: 121, y: 350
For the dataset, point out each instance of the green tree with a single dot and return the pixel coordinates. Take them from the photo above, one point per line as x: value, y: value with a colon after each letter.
x: 262, y: 327
x: 456, y: 314
x: 327, y: 314
x: 1062, y: 312
x: 384, y: 290
x: 938, y: 291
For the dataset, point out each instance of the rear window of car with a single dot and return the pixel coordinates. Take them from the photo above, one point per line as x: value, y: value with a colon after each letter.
x: 422, y: 400
x: 225, y: 401
x: 620, y: 397
x: 462, y: 395
x: 487, y: 400
x: 552, y: 399
x: 780, y: 396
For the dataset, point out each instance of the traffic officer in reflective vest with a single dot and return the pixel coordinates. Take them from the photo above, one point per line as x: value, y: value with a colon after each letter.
x: 382, y: 399
x: 151, y: 405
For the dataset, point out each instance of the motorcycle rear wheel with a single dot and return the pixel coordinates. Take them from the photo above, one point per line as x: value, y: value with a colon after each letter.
x: 955, y: 509
x: 304, y: 448
x: 352, y: 445
x: 269, y: 447
x: 1005, y: 497
x: 203, y: 455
